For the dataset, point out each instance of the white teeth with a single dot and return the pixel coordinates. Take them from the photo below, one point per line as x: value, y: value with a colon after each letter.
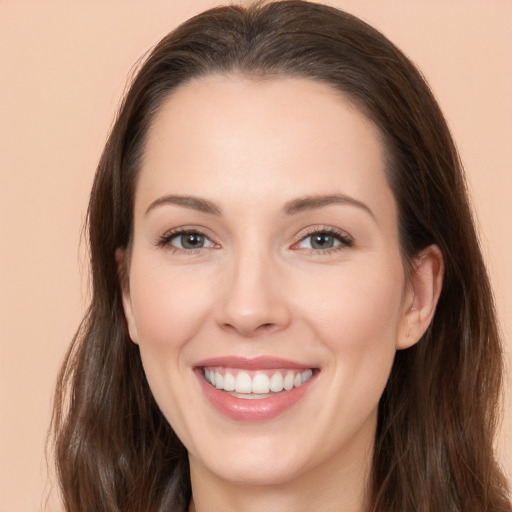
x: 276, y: 382
x: 288, y: 381
x: 243, y: 383
x: 229, y: 382
x: 210, y: 376
x: 262, y: 382
x: 306, y: 376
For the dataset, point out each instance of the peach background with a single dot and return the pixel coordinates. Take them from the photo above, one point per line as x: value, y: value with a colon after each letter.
x: 63, y: 66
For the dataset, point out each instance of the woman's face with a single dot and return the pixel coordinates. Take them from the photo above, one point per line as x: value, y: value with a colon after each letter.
x: 266, y: 287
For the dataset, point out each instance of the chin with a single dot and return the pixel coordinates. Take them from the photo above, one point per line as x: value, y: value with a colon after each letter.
x: 253, y: 464
x: 256, y: 472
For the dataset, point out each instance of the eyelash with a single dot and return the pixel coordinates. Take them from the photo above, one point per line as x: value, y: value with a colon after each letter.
x: 165, y: 240
x: 341, y: 236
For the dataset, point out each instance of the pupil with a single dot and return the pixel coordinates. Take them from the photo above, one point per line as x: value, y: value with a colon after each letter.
x: 322, y: 241
x: 192, y: 240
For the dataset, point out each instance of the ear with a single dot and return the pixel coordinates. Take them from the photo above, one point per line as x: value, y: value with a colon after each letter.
x: 425, y: 283
x: 123, y: 272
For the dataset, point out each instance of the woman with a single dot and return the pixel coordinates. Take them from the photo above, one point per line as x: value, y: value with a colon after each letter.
x: 290, y: 309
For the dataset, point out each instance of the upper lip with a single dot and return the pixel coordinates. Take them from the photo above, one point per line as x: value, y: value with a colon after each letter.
x: 251, y: 363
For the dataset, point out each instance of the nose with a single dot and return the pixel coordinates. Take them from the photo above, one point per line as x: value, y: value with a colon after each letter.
x: 253, y: 296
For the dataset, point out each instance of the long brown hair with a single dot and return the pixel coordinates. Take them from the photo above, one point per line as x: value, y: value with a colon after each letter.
x: 114, y: 449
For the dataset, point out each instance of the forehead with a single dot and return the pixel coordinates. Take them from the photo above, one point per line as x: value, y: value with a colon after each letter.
x: 233, y: 138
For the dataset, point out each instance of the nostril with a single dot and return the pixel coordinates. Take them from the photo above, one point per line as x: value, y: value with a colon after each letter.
x: 250, y: 331
x: 267, y: 328
x: 251, y: 316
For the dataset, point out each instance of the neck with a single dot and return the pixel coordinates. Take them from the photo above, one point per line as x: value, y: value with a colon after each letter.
x: 338, y: 484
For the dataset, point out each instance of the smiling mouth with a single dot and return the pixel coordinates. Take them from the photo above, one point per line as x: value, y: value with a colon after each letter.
x: 254, y: 389
x: 256, y: 384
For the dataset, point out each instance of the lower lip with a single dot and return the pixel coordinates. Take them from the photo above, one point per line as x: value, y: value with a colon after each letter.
x: 252, y: 410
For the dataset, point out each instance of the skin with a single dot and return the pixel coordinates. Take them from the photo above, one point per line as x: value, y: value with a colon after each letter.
x: 257, y: 287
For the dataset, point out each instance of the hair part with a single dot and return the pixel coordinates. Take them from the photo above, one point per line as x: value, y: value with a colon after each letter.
x: 115, y: 451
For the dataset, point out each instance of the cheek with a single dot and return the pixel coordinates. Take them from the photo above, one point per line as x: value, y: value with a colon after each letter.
x: 358, y: 307
x: 357, y: 317
x: 168, y: 306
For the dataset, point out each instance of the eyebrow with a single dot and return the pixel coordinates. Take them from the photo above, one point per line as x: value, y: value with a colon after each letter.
x: 194, y: 203
x: 292, y: 207
x: 302, y: 204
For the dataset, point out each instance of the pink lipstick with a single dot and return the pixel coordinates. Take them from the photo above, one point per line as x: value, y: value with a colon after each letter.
x: 253, y: 389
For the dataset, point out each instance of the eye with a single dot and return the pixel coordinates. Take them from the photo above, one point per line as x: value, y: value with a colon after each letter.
x: 324, y: 240
x: 186, y: 240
